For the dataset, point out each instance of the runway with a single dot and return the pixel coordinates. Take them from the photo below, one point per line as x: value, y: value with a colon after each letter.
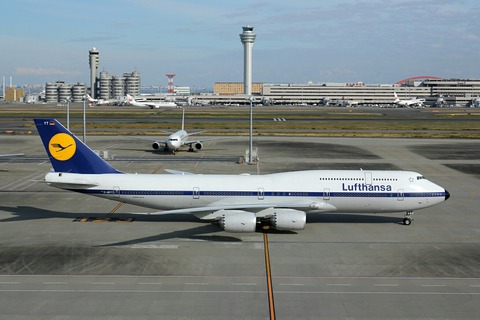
x: 177, y: 267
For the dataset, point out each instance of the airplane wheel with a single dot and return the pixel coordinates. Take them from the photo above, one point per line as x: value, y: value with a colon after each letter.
x: 407, y: 221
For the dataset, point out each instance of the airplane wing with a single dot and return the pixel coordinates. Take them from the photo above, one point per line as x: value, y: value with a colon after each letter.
x: 211, y: 212
x: 183, y: 173
x: 189, y: 142
x: 198, y: 132
x: 150, y: 139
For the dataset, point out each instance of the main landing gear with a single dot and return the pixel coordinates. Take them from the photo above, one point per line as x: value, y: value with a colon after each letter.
x: 407, y: 220
x: 166, y: 149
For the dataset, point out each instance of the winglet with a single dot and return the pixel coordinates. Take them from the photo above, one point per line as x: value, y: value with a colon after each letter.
x: 67, y: 153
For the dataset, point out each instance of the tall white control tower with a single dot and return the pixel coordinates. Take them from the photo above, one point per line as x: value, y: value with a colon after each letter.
x: 94, y: 57
x: 247, y: 38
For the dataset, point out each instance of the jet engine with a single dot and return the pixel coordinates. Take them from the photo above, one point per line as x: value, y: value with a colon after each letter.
x: 156, y: 145
x: 238, y: 221
x: 288, y: 219
x: 198, y: 146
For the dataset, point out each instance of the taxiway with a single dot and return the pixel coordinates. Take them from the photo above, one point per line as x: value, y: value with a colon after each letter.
x: 177, y: 267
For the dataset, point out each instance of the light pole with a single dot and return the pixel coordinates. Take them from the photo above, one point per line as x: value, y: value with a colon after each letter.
x: 250, y: 157
x: 84, y: 98
x: 68, y: 112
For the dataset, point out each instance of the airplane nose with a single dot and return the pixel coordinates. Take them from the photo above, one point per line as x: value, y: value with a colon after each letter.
x: 447, y: 195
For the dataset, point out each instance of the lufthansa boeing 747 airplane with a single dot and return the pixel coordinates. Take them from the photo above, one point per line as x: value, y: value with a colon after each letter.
x: 237, y: 203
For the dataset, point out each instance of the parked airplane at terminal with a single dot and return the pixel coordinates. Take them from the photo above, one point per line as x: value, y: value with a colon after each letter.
x: 178, y: 139
x: 150, y: 104
x: 237, y: 203
x: 100, y: 102
x: 409, y: 102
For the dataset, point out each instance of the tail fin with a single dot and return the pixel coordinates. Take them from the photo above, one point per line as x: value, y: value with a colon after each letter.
x: 396, y: 97
x: 67, y: 153
x: 90, y: 99
x: 130, y: 98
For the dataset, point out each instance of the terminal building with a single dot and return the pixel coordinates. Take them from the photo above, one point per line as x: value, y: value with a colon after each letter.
x: 435, y: 91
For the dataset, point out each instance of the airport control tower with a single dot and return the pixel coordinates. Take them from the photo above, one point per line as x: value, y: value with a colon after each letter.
x: 94, y: 57
x: 247, y: 38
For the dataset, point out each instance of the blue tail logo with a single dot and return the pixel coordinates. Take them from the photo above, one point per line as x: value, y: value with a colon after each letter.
x: 67, y: 153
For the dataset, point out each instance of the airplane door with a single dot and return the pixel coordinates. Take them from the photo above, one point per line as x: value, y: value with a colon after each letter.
x: 261, y: 194
x: 326, y: 194
x: 196, y: 193
x: 368, y: 178
x: 116, y: 192
x: 400, y: 195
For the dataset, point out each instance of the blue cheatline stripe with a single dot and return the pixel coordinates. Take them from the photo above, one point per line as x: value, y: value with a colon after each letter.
x: 265, y: 194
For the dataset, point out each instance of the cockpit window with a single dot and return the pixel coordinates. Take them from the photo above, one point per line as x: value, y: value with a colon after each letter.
x: 420, y: 177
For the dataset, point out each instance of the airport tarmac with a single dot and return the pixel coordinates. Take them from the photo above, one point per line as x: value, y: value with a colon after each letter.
x: 342, y: 266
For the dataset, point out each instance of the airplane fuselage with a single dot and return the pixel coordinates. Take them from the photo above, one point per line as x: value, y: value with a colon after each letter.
x: 311, y: 191
x: 176, y: 140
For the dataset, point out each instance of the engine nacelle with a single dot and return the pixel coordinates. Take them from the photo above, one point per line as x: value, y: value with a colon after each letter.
x: 288, y: 219
x: 198, y: 146
x: 238, y: 221
x: 156, y: 145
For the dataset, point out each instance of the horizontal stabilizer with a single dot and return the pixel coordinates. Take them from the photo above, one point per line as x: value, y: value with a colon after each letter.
x: 72, y: 185
x: 65, y: 180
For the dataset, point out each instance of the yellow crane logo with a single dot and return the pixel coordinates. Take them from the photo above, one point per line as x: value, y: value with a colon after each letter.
x: 62, y: 146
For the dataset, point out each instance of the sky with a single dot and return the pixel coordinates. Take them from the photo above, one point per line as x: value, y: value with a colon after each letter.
x: 373, y: 41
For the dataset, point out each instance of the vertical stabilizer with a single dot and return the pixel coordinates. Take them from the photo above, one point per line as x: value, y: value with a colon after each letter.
x: 67, y: 153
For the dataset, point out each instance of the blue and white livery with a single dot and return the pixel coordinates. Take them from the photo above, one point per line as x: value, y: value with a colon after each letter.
x: 238, y: 203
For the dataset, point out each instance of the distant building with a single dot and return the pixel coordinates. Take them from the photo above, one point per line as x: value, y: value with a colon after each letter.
x: 436, y: 92
x: 114, y: 87
x: 94, y: 59
x: 13, y: 94
x: 233, y: 88
x: 60, y: 91
x: 456, y: 92
x: 182, y: 91
x: 462, y: 90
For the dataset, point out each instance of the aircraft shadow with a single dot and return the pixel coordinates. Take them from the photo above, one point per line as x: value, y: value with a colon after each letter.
x: 197, y: 233
x: 351, y: 218
x: 20, y: 213
x: 202, y: 232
